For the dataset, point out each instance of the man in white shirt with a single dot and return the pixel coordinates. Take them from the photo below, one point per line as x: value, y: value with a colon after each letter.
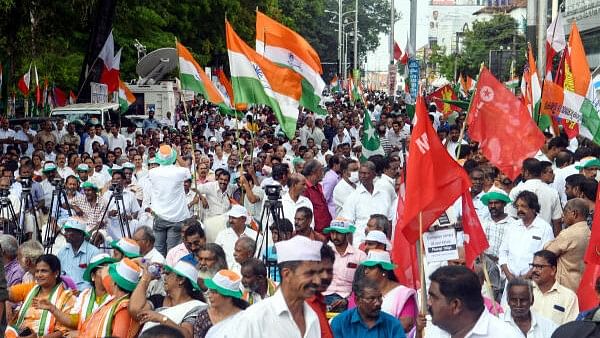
x: 165, y: 198
x: 365, y: 201
x: 61, y: 166
x: 130, y: 211
x: 7, y: 135
x: 346, y: 185
x: 219, y: 159
x: 309, y: 130
x: 522, y: 240
x: 456, y: 306
x: 26, y: 135
x: 115, y: 139
x: 550, y: 207
x: 217, y: 195
x: 452, y: 141
x: 387, y: 181
x: 238, y: 217
x: 89, y: 141
x: 286, y: 313
x: 520, y: 316
x: 167, y: 121
x: 294, y: 199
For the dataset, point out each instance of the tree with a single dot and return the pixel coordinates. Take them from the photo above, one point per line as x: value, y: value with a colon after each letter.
x: 501, y: 30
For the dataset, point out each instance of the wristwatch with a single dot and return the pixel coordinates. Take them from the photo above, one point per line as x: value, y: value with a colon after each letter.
x: 164, y: 319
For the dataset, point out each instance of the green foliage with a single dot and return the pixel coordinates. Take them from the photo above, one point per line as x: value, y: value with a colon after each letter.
x: 58, y: 38
x: 490, y: 35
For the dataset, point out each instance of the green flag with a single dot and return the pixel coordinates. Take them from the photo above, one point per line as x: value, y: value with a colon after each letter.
x: 370, y: 139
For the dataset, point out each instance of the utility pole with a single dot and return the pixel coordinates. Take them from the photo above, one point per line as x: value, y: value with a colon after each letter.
x: 530, y: 32
x: 355, y: 66
x: 392, y: 32
x: 542, y: 23
x: 413, y: 25
x: 340, y: 38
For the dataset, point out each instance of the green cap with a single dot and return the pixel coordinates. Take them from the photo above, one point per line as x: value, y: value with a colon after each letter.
x: 495, y: 196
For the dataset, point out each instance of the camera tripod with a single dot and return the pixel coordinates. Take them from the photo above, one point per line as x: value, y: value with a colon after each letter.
x: 272, y: 213
x: 59, y: 197
x: 27, y: 206
x: 117, y: 197
x: 8, y: 218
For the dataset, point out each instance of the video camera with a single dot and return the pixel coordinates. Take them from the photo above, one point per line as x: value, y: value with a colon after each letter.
x: 273, y: 192
x: 58, y: 182
x: 26, y: 182
x: 4, y: 193
x: 116, y: 188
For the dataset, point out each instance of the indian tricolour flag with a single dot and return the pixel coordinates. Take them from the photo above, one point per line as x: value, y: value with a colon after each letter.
x: 195, y: 79
x: 285, y: 47
x: 256, y: 80
x: 126, y: 97
x: 533, y: 92
x: 334, y: 85
x: 578, y: 83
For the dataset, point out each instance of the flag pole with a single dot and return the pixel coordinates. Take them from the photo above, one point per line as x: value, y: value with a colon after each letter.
x: 422, y: 266
x: 488, y: 283
x: 464, y: 126
x: 187, y: 119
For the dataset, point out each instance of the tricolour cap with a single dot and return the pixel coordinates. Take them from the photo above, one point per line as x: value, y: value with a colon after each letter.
x: 127, y: 247
x: 226, y: 283
x: 379, y: 257
x: 125, y: 273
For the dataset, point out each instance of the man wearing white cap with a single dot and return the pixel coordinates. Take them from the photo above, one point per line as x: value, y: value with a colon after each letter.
x: 237, y: 228
x: 376, y: 240
x: 286, y: 313
x: 166, y: 199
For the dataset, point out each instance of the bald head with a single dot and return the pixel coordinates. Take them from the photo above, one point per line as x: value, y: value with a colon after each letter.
x: 575, y: 211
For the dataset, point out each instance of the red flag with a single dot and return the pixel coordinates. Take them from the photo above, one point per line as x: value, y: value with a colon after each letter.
x: 24, y: 82
x: 60, y: 97
x: 110, y: 69
x: 434, y: 180
x: 587, y: 291
x: 500, y: 122
x: 397, y: 51
x: 72, y: 97
x: 404, y: 254
x: 475, y: 240
x: 444, y: 93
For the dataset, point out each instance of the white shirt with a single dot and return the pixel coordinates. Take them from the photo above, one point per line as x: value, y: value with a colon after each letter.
x: 99, y: 179
x: 6, y: 134
x: 22, y: 136
x: 165, y: 194
x: 87, y: 145
x: 290, y: 207
x: 272, y: 318
x: 227, y: 238
x: 131, y: 206
x: 541, y: 327
x: 387, y: 184
x: 360, y: 205
x: 65, y: 172
x: 550, y: 207
x: 487, y: 326
x: 118, y: 141
x: 560, y: 176
x: 218, y: 201
x: 154, y: 256
x: 520, y: 243
x: 340, y: 193
x: 219, y: 163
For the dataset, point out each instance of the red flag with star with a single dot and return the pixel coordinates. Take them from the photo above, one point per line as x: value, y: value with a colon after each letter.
x: 444, y: 93
x: 501, y: 124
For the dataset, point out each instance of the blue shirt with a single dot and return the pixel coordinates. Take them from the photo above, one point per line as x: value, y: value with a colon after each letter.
x: 73, y: 264
x: 190, y: 258
x: 349, y: 324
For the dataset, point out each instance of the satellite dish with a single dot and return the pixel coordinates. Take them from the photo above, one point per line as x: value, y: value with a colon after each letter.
x: 156, y: 65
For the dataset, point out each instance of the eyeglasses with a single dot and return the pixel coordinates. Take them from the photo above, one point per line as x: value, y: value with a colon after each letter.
x: 539, y: 266
x: 372, y: 300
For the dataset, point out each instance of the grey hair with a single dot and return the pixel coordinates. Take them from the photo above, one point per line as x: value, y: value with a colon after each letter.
x: 311, y: 167
x: 370, y: 165
x: 32, y: 249
x: 520, y: 282
x: 9, y: 246
x: 362, y: 284
x: 147, y: 232
x: 381, y: 222
x: 578, y: 204
x: 217, y: 250
x: 248, y: 243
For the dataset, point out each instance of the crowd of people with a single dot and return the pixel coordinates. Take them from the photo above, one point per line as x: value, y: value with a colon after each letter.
x: 219, y: 226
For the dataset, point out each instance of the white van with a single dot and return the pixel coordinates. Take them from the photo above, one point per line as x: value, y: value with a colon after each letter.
x: 93, y: 113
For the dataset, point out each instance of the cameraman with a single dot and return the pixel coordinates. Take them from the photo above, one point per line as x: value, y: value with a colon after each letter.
x: 14, y: 200
x: 130, y: 202
x: 50, y: 174
x: 25, y: 183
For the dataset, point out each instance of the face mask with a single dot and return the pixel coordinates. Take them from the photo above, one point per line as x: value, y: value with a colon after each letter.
x: 354, y: 177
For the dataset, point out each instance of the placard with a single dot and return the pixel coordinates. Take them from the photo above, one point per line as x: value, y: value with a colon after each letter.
x: 440, y: 245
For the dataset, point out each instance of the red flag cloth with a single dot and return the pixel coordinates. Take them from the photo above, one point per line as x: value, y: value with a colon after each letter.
x: 72, y: 97
x: 592, y: 254
x: 444, y: 93
x: 60, y: 97
x: 475, y: 240
x: 226, y: 83
x: 501, y: 124
x: 434, y: 180
x: 397, y: 51
x: 24, y: 82
x: 586, y: 293
x: 404, y: 254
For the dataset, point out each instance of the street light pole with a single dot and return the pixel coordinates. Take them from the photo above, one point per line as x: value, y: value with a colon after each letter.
x: 355, y: 35
x: 392, y: 32
x: 340, y: 36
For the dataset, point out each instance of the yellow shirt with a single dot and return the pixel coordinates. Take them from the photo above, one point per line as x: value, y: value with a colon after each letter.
x: 558, y: 304
x: 570, y: 246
